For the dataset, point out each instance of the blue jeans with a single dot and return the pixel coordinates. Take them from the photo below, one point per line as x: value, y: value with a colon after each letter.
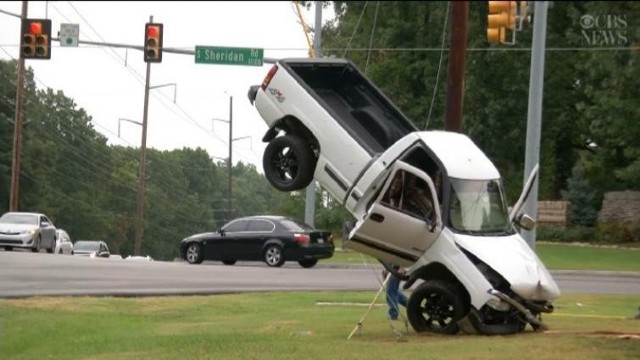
x: 395, y: 297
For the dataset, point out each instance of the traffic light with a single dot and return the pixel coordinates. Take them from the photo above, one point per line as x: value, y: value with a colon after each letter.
x: 502, y: 17
x: 35, y: 42
x: 153, y: 42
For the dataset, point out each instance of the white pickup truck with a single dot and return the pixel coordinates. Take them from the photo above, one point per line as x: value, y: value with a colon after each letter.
x: 472, y: 270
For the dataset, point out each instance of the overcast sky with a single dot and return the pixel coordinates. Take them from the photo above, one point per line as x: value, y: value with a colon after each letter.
x: 109, y: 82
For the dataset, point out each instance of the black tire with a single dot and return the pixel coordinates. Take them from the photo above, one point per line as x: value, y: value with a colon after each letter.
x: 53, y: 247
x: 8, y: 248
x: 36, y: 249
x: 308, y: 263
x: 193, y: 254
x: 228, y: 262
x: 288, y: 163
x: 273, y: 256
x: 435, y: 306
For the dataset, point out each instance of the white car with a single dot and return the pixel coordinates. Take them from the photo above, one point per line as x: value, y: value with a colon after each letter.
x: 27, y: 230
x: 63, y: 243
x: 472, y: 269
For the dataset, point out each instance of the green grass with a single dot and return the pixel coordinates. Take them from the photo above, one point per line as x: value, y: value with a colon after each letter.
x: 554, y: 256
x: 312, y: 325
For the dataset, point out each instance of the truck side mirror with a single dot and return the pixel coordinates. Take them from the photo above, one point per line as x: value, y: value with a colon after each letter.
x: 526, y: 222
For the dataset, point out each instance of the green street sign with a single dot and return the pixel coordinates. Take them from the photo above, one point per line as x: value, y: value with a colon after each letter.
x: 229, y: 55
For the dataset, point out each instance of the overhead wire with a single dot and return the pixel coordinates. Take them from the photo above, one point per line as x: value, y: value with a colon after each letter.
x: 160, y: 97
x: 355, y: 29
x: 373, y: 28
x: 435, y: 86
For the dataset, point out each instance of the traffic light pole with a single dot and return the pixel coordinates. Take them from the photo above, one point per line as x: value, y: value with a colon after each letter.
x: 17, y: 130
x: 534, y: 114
x: 143, y: 162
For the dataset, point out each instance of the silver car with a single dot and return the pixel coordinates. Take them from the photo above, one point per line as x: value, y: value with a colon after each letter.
x: 91, y: 248
x: 63, y: 243
x: 28, y: 231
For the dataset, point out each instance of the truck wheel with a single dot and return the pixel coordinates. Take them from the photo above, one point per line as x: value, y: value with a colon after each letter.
x: 288, y: 163
x: 435, y: 306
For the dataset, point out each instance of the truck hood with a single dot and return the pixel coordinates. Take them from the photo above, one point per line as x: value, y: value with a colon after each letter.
x: 512, y: 258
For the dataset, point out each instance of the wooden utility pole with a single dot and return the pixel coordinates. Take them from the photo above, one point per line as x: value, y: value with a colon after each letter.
x: 455, y: 77
x: 17, y: 129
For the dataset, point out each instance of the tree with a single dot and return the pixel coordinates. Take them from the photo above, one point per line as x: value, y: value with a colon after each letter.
x: 581, y: 197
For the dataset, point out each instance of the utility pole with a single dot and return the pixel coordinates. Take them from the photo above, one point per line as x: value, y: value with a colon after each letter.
x: 143, y: 162
x: 229, y: 165
x: 455, y: 77
x: 534, y: 115
x: 17, y: 129
x: 310, y: 203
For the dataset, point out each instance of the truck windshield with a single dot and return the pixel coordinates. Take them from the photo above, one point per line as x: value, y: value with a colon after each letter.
x: 478, y: 207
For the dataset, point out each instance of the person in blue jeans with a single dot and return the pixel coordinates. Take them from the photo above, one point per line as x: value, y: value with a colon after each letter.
x: 395, y: 297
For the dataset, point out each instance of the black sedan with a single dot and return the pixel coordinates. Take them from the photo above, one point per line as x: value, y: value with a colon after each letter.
x: 272, y: 239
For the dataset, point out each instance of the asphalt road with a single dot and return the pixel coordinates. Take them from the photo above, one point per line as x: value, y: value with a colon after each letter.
x: 24, y: 274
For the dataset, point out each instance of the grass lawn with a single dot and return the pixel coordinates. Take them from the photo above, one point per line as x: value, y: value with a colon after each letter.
x: 313, y: 325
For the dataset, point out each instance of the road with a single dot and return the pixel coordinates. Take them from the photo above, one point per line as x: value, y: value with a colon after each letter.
x: 24, y: 274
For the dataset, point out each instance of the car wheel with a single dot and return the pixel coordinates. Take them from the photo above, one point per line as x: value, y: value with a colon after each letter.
x: 53, y: 247
x: 228, y: 262
x: 36, y: 248
x: 308, y: 263
x: 435, y: 306
x: 273, y: 256
x: 194, y: 253
x: 288, y: 163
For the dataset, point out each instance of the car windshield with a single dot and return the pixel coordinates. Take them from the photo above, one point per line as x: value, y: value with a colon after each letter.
x: 86, y: 245
x: 19, y: 219
x: 295, y: 226
x: 478, y: 207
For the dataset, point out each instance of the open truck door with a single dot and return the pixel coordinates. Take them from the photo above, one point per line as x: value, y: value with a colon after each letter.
x: 403, y: 220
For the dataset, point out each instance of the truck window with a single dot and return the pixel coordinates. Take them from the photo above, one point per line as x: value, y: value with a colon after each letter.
x: 478, y: 206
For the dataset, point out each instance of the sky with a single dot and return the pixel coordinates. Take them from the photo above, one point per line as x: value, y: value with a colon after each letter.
x: 108, y: 82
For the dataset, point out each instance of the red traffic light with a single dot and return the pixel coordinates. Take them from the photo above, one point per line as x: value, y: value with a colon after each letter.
x: 35, y: 27
x: 153, y: 31
x: 35, y: 42
x: 153, y: 42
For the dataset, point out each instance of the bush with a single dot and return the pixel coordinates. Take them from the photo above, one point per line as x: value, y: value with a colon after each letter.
x: 618, y: 232
x: 572, y: 234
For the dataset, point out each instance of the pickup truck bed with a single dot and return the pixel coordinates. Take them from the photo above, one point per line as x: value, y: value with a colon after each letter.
x: 354, y: 102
